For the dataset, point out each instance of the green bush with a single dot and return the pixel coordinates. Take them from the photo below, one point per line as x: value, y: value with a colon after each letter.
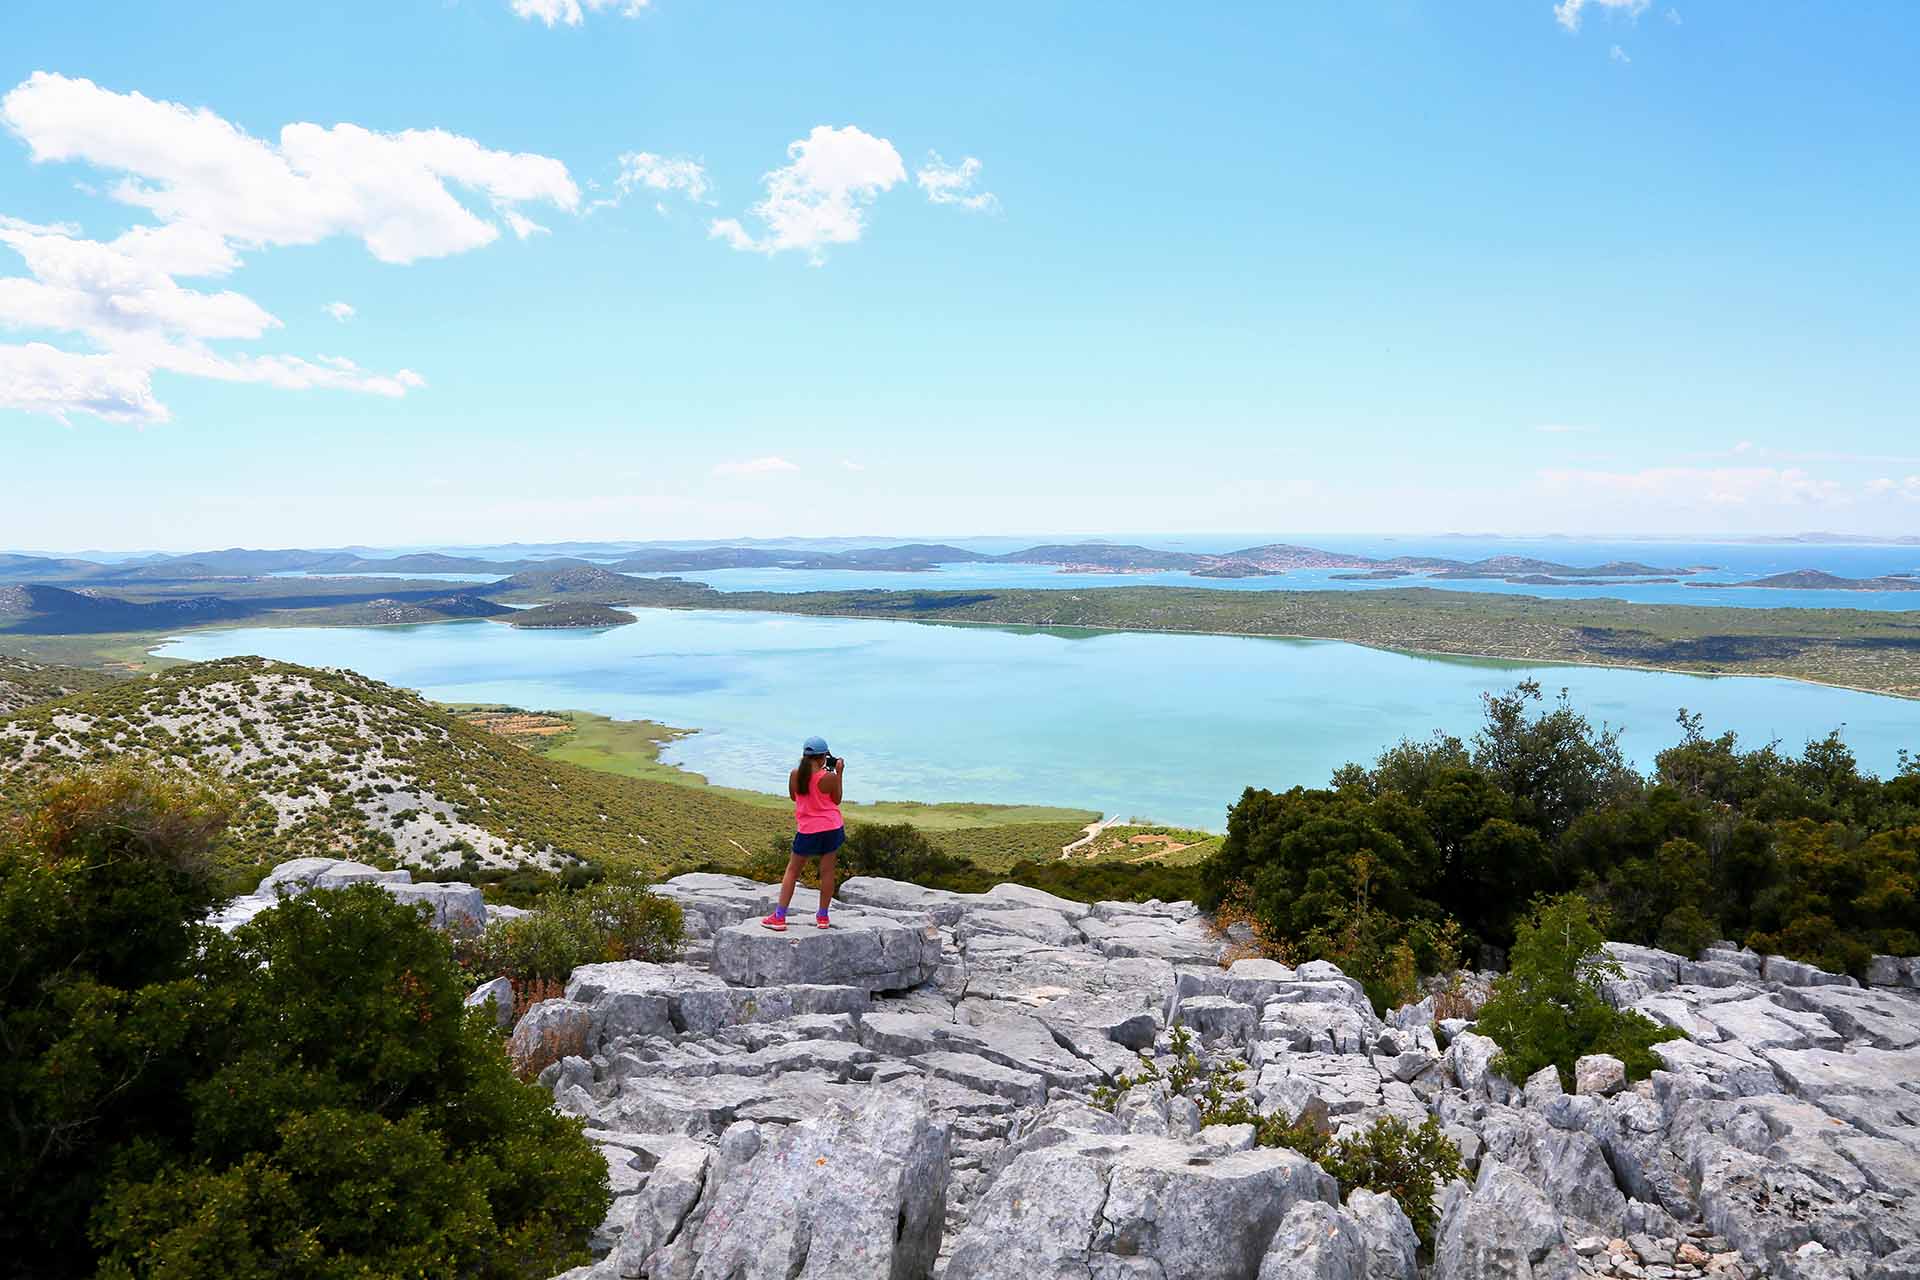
x: 307, y: 1097
x: 1546, y: 1010
x: 1393, y: 1158
x: 614, y: 919
x: 102, y: 876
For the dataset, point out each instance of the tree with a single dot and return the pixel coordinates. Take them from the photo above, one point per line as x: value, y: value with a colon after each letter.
x: 1547, y: 1008
x: 1302, y: 852
x: 353, y: 1119
x: 102, y: 876
x: 1555, y: 765
x: 308, y: 1096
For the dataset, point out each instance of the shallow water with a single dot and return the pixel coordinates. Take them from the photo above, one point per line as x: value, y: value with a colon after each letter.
x: 1162, y: 726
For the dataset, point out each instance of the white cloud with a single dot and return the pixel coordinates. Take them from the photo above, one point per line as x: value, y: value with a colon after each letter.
x: 1617, y: 54
x: 1886, y: 487
x: 191, y: 168
x: 83, y: 286
x: 953, y: 184
x: 754, y: 467
x: 1673, y: 16
x: 216, y: 190
x: 570, y: 12
x: 1557, y: 429
x: 523, y: 226
x: 1694, y: 487
x: 37, y: 378
x: 340, y: 311
x: 818, y: 199
x: 1568, y: 12
x: 644, y: 169
x: 850, y: 465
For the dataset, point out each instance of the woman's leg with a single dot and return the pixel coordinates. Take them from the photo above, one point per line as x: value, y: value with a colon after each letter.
x: 826, y: 880
x: 794, y: 862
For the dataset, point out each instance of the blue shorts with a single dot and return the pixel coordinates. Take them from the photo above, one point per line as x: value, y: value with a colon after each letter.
x: 814, y: 844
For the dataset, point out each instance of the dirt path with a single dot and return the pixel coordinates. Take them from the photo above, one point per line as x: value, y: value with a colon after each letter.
x: 1093, y: 830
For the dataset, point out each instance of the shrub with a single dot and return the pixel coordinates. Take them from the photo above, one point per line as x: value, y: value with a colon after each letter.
x: 898, y: 851
x: 1393, y: 1158
x: 305, y: 1097
x: 102, y: 878
x: 613, y: 919
x: 1547, y: 1009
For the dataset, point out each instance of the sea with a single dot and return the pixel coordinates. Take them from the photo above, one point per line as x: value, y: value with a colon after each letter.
x: 1169, y: 728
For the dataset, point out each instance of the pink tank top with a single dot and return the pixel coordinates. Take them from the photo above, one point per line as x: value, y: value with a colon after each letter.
x: 816, y: 810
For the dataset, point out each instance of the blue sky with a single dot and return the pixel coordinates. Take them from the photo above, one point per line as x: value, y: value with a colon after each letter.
x: 1607, y: 267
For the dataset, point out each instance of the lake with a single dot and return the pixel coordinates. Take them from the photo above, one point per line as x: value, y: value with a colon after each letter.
x: 1162, y: 726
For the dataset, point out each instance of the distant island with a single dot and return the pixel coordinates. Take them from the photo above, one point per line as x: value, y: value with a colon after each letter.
x: 567, y: 614
x: 1815, y: 580
x: 913, y: 557
x: 112, y: 622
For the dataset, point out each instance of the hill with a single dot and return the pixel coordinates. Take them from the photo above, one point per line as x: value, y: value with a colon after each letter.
x: 330, y: 763
x: 24, y: 683
x: 1816, y: 580
x: 388, y: 611
x: 587, y: 582
x: 57, y: 611
x: 570, y: 614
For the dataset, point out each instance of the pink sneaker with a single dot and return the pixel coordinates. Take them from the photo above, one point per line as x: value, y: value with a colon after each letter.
x: 775, y: 922
x: 820, y: 922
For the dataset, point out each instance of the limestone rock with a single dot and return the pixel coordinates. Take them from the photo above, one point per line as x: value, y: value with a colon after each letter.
x: 448, y: 905
x: 1315, y: 1241
x: 1599, y: 1073
x: 499, y: 995
x: 1469, y: 1060
x: 1505, y: 1229
x: 550, y: 1028
x: 1387, y: 1233
x: 858, y: 1191
x: 1099, y: 1205
x: 873, y: 952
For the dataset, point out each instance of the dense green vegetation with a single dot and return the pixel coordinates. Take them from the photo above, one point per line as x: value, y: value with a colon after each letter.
x: 612, y: 919
x: 306, y: 1097
x: 567, y: 614
x: 1443, y: 843
x: 1546, y: 1009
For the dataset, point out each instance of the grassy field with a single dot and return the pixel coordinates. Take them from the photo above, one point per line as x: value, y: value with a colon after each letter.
x: 631, y: 749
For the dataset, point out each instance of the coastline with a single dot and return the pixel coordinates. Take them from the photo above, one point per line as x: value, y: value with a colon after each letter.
x: 1410, y: 651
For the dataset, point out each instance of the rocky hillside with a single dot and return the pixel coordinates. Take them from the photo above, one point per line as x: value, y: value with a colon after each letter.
x: 929, y: 1088
x: 330, y: 763
x: 24, y: 683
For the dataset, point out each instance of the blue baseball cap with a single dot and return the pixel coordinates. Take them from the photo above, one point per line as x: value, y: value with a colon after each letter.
x: 815, y: 747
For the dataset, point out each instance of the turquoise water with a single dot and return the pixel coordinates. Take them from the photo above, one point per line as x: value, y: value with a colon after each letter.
x: 1160, y: 726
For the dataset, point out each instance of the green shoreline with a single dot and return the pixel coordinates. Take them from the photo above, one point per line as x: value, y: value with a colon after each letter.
x: 631, y: 748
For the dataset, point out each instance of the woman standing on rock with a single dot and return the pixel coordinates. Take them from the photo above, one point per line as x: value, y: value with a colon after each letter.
x: 819, y: 831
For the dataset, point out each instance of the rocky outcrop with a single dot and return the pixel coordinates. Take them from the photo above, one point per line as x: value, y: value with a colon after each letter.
x: 449, y: 905
x: 912, y: 1094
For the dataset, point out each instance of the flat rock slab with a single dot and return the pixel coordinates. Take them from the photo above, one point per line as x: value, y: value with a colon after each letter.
x: 872, y: 952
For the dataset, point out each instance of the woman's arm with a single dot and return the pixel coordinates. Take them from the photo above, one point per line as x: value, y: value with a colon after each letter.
x: 830, y: 780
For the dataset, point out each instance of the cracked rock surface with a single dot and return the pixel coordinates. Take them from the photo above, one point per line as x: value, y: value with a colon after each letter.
x: 913, y: 1097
